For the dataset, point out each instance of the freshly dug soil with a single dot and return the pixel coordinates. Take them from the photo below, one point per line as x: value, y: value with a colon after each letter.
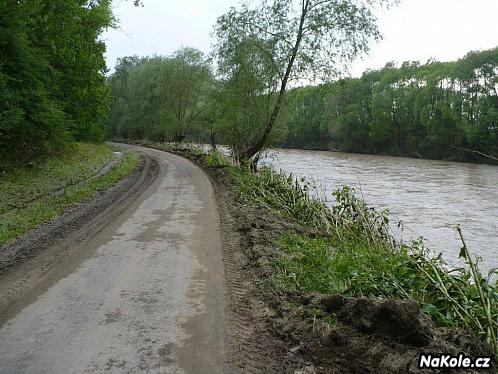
x: 273, y: 331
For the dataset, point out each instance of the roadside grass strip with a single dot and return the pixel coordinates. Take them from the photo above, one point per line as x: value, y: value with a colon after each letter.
x: 31, y: 196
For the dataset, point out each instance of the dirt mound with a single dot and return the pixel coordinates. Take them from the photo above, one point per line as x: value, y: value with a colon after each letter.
x: 398, y: 320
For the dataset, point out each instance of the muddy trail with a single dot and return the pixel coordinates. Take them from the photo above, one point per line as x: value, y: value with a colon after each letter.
x: 129, y: 281
x: 167, y: 272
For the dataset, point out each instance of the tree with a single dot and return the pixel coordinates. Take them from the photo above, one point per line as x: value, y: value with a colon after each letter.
x: 160, y: 97
x: 435, y: 110
x: 189, y: 87
x: 303, y: 116
x: 69, y: 33
x: 305, y: 39
x: 247, y: 103
x: 52, y: 76
x: 32, y: 122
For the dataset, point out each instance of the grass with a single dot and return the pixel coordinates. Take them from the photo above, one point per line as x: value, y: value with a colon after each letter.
x: 27, y: 195
x: 356, y: 256
x: 282, y: 194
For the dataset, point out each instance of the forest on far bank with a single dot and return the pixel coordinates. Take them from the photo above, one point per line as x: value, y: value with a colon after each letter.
x: 441, y: 110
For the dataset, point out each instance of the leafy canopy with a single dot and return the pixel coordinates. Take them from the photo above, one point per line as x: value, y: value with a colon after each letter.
x: 294, y: 40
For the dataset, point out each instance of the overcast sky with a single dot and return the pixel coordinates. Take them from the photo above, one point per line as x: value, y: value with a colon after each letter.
x: 415, y: 30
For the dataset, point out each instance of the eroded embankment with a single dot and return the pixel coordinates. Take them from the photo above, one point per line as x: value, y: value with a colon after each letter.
x: 297, y: 332
x: 23, y: 260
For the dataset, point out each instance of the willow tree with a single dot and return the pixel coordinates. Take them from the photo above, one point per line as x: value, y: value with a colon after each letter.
x: 295, y: 40
x: 189, y: 87
x: 160, y: 97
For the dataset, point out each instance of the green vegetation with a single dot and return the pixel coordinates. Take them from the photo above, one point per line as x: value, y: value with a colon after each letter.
x: 282, y: 194
x: 160, y: 98
x: 350, y: 251
x: 32, y: 195
x: 52, y: 82
x: 53, y: 93
x: 354, y: 254
x: 261, y: 47
x: 435, y: 110
x: 264, y: 46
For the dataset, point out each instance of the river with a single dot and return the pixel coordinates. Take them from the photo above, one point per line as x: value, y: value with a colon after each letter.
x: 428, y: 196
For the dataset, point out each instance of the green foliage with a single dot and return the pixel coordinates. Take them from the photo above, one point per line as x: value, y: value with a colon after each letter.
x: 31, y: 122
x: 160, y: 98
x: 355, y: 255
x: 351, y: 266
x: 30, y: 196
x: 215, y: 159
x: 351, y: 252
x: 52, y: 82
x: 245, y: 101
x: 303, y: 118
x: 436, y: 110
x: 263, y: 46
x: 282, y: 194
x: 21, y: 185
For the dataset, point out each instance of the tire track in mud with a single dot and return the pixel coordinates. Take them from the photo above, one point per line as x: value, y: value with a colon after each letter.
x: 253, y: 349
x: 24, y: 261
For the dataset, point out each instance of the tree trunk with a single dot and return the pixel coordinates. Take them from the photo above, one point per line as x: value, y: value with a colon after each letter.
x: 213, y: 140
x: 258, y: 146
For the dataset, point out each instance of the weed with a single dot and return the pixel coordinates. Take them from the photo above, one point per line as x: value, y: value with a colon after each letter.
x: 357, y: 256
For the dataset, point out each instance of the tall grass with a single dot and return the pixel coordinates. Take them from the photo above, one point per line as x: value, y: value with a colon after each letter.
x: 358, y: 256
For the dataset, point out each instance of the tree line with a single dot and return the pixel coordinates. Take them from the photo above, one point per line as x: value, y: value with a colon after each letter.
x: 161, y: 98
x: 442, y: 110
x: 261, y: 49
x: 435, y: 110
x: 53, y: 88
x: 52, y: 76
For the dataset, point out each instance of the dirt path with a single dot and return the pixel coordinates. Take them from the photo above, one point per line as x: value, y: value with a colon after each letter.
x: 145, y: 294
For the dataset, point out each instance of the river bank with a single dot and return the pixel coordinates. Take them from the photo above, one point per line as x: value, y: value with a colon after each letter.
x: 428, y: 197
x: 484, y: 160
x: 283, y: 254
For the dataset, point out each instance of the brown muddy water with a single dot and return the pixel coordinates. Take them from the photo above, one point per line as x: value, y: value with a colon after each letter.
x: 429, y: 197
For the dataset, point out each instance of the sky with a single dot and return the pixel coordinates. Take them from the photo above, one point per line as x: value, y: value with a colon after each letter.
x: 414, y: 30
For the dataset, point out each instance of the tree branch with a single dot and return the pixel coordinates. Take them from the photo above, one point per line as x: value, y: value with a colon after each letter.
x: 476, y: 152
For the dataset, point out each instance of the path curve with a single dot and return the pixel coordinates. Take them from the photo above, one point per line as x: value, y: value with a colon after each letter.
x: 146, y: 294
